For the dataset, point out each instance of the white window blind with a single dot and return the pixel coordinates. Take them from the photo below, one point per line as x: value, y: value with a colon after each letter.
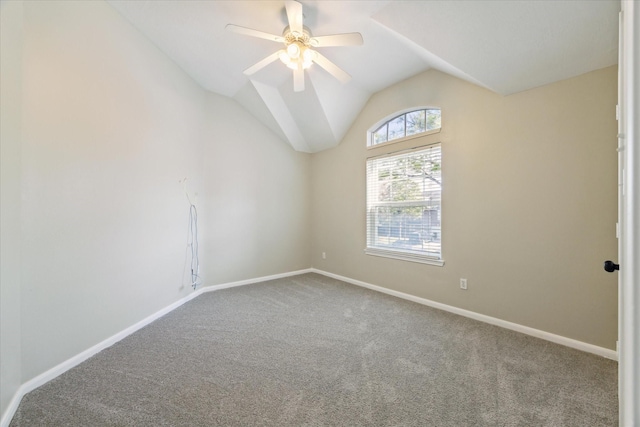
x: 404, y: 195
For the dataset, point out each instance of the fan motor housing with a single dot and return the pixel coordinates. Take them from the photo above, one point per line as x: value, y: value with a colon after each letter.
x: 291, y: 37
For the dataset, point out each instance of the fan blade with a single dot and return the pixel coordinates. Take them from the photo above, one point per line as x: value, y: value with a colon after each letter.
x: 266, y: 61
x: 254, y: 33
x: 331, y: 68
x: 298, y: 79
x: 348, y: 39
x: 294, y: 15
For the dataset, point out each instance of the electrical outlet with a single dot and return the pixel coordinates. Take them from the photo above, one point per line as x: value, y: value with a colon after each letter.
x: 463, y: 284
x: 324, y: 255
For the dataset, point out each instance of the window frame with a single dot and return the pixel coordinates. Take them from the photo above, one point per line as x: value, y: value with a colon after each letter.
x: 400, y: 254
x: 388, y: 119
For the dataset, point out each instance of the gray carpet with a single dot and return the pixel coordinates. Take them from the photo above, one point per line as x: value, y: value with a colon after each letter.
x: 313, y: 351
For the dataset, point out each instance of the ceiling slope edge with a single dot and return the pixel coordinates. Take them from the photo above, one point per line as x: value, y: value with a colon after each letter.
x: 507, y: 46
x: 340, y: 103
x: 282, y: 116
x: 249, y: 98
x: 433, y: 60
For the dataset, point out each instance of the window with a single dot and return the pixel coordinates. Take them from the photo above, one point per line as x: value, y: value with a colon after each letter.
x: 407, y: 124
x: 403, y: 205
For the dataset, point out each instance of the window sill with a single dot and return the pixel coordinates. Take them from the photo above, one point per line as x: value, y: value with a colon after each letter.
x: 405, y: 256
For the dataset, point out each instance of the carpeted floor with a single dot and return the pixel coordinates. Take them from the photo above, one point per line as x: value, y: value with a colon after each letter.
x: 313, y: 351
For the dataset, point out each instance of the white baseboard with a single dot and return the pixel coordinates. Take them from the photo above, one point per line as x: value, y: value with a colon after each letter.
x: 79, y: 358
x: 12, y: 408
x: 558, y: 339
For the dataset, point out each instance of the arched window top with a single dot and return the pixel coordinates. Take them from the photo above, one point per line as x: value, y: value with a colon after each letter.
x: 408, y: 124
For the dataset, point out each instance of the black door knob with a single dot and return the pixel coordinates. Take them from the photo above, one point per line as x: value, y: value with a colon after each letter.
x: 610, y: 266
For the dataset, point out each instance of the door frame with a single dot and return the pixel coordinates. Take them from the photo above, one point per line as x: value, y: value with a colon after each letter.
x: 629, y: 214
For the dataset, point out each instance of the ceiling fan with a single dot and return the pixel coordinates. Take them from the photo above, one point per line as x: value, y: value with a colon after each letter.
x: 298, y: 53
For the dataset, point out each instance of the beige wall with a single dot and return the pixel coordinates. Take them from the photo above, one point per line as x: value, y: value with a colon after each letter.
x: 529, y: 202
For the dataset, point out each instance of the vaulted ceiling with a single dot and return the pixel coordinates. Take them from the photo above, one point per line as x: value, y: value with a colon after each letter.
x: 505, y: 46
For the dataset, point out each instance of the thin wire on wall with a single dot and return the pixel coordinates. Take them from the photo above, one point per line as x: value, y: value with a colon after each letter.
x: 192, y: 242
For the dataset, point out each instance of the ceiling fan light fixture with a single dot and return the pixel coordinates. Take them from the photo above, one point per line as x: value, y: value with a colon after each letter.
x: 293, y: 50
x: 284, y: 57
x: 296, y: 55
x: 307, y: 55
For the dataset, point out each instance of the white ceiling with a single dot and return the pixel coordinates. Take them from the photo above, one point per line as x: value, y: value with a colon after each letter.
x: 506, y: 46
